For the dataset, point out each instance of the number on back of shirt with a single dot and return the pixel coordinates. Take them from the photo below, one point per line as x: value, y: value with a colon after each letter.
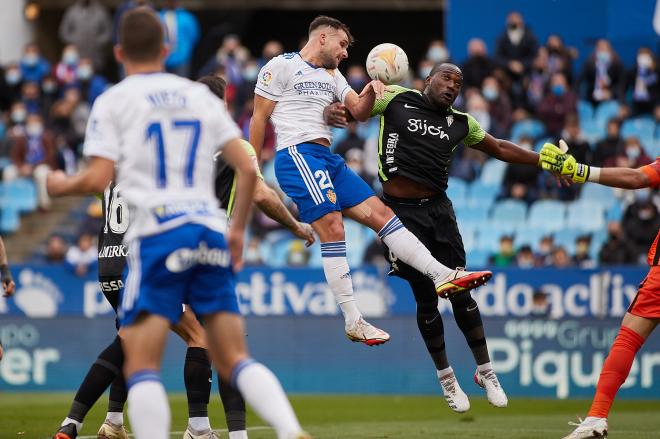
x: 155, y: 132
x: 116, y: 215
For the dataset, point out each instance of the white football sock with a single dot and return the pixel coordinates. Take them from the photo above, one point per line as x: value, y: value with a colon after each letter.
x: 68, y: 421
x: 410, y: 250
x: 261, y: 389
x: 199, y: 423
x: 238, y: 434
x: 338, y: 276
x: 148, y: 408
x: 116, y: 418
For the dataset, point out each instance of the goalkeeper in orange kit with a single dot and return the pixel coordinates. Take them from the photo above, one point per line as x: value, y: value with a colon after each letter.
x: 643, y: 315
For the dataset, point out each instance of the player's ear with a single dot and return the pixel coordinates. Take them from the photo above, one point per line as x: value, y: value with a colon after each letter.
x: 119, y: 54
x: 164, y: 51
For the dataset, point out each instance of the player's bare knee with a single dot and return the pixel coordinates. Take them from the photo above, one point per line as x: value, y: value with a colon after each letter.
x: 330, y: 228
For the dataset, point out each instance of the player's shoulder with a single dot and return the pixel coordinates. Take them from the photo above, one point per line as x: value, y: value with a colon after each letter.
x: 284, y: 61
x: 461, y: 115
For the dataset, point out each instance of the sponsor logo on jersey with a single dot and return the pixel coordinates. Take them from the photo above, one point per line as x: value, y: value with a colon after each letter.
x: 315, y: 88
x: 185, y: 258
x: 424, y: 128
x: 112, y: 285
x: 390, y: 147
x: 266, y: 78
x: 410, y: 106
x: 331, y: 196
x: 170, y: 211
x: 113, y: 251
x: 450, y: 120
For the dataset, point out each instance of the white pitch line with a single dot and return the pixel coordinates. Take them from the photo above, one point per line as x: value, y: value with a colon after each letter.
x: 179, y: 433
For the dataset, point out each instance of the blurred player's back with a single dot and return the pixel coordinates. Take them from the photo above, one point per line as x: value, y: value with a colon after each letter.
x: 169, y: 129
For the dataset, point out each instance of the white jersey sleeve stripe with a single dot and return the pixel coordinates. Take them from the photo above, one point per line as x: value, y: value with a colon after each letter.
x: 305, y: 173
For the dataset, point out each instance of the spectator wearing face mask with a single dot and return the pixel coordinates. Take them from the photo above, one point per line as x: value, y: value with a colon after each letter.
x: 544, y: 252
x: 632, y: 156
x: 477, y: 65
x: 424, y: 68
x: 617, y: 250
x: 31, y: 97
x: 499, y: 107
x: 65, y: 70
x: 644, y: 82
x: 520, y: 180
x: 536, y: 82
x: 525, y: 257
x: 558, y: 102
x: 49, y: 92
x: 17, y: 114
x: 437, y: 52
x: 33, y: 66
x: 33, y: 154
x: 82, y: 257
x: 640, y: 221
x: 87, y: 25
x: 10, y: 86
x: 91, y: 85
x: 582, y: 257
x: 603, y: 74
x: 611, y: 146
x: 245, y: 90
x: 560, y: 57
x: 560, y: 258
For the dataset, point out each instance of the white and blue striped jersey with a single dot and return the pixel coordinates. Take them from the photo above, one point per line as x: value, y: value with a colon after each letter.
x: 301, y: 91
x: 162, y: 132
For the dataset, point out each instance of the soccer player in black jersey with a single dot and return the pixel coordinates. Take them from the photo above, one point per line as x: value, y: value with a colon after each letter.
x: 419, y: 132
x: 197, y: 369
x: 8, y: 285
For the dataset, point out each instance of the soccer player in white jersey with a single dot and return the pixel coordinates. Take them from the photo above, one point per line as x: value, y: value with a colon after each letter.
x: 161, y: 132
x: 292, y: 90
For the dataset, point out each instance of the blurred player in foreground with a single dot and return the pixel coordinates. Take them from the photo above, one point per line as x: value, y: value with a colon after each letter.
x: 643, y: 314
x: 162, y: 131
x: 292, y: 90
x: 8, y: 286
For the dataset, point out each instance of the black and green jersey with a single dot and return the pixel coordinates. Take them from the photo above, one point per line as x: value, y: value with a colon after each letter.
x: 225, y: 178
x: 417, y: 140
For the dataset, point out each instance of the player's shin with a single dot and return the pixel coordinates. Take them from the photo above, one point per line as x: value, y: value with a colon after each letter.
x: 116, y: 401
x: 468, y: 319
x: 234, y: 406
x: 148, y: 408
x: 197, y: 379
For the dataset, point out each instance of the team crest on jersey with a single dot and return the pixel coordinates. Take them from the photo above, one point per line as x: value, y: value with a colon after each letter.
x: 450, y: 120
x: 266, y: 77
x: 331, y: 196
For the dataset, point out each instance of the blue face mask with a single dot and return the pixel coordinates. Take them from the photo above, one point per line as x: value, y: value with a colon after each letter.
x: 13, y: 77
x: 558, y: 90
x: 424, y: 72
x: 490, y: 93
x: 31, y: 59
x: 603, y: 56
x: 250, y: 73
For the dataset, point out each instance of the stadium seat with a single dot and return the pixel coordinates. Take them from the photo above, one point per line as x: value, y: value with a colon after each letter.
x: 585, y: 110
x: 20, y: 194
x: 356, y: 241
x: 469, y: 235
x: 477, y: 259
x: 510, y: 212
x: 528, y: 236
x: 592, y: 131
x: 492, y: 172
x: 547, y: 215
x: 586, y: 215
x: 528, y: 127
x: 457, y: 191
x: 480, y: 194
x: 604, y: 194
x: 566, y: 238
x: 606, y: 111
x: 640, y: 127
x: 9, y: 219
x: 472, y: 215
x: 489, y: 239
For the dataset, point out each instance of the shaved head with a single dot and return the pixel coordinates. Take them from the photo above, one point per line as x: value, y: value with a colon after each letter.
x: 446, y: 67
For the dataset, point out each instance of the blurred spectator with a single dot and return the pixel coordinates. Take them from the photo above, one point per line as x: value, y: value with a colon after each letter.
x: 424, y: 68
x: 560, y: 57
x: 616, y: 250
x: 546, y: 247
x: 525, y: 257
x: 10, y: 86
x: 644, y: 81
x: 633, y: 155
x: 31, y: 96
x: 49, y: 92
x: 271, y: 49
x: 560, y: 258
x: 611, y: 146
x: 516, y: 48
x: 88, y: 26
x: 603, y: 74
x: 557, y: 103
x: 640, y: 222
x: 478, y: 107
x: 83, y: 256
x: 65, y: 71
x: 540, y: 304
x: 91, y: 85
x: 499, y: 108
x: 33, y: 66
x: 298, y: 255
x: 520, y: 180
x: 182, y: 35
x: 17, y: 114
x: 354, y: 160
x: 253, y: 253
x: 437, y: 52
x: 477, y: 65
x: 245, y: 91
x: 536, y: 83
x: 357, y: 77
x: 374, y: 253
x: 69, y: 117
x: 578, y: 147
x: 582, y: 257
x: 56, y: 249
x: 506, y: 255
x: 352, y: 140
x: 33, y: 154
x: 231, y: 57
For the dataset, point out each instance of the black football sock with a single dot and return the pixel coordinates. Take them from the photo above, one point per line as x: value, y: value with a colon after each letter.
x: 197, y: 377
x: 234, y: 406
x: 468, y: 319
x: 118, y: 395
x: 429, y: 322
x: 102, y: 373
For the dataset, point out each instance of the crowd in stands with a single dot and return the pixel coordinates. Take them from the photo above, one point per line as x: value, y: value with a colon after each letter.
x: 521, y: 89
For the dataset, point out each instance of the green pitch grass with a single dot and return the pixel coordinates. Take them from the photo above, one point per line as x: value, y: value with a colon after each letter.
x: 37, y: 415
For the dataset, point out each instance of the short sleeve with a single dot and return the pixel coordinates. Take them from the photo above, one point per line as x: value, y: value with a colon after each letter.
x: 475, y: 133
x: 342, y: 86
x: 391, y: 91
x: 272, y: 79
x: 102, y: 133
x: 652, y: 171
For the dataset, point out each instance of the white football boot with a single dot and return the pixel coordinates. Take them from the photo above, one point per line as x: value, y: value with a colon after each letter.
x: 591, y: 427
x: 494, y: 392
x: 109, y: 430
x: 190, y: 433
x: 366, y: 333
x: 456, y: 398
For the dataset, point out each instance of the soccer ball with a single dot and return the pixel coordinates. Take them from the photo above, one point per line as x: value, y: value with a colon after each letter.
x: 388, y: 63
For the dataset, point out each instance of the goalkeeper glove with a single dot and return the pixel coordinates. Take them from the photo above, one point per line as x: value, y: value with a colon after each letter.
x: 556, y: 160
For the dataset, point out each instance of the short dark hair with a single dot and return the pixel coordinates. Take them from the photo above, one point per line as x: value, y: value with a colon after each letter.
x: 324, y: 20
x: 141, y: 35
x: 215, y: 83
x: 445, y: 66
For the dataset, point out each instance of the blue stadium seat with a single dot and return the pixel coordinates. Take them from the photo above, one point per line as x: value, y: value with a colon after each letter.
x: 528, y: 236
x: 585, y: 110
x: 547, y: 215
x: 20, y: 194
x: 604, y: 194
x: 489, y: 239
x: 356, y: 241
x: 492, y: 172
x: 640, y: 127
x: 9, y: 219
x: 511, y: 212
x: 480, y: 194
x: 586, y: 214
x: 457, y: 191
x: 528, y: 127
x: 477, y: 259
x: 469, y: 235
x: 566, y: 238
x: 592, y: 131
x: 472, y: 215
x: 606, y: 111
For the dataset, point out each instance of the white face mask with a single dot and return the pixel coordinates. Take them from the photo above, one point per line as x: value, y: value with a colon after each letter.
x: 34, y: 129
x: 644, y: 60
x: 84, y: 72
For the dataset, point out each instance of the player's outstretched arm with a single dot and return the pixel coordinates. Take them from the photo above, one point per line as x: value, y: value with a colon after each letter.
x: 6, y: 278
x: 92, y: 180
x: 246, y: 175
x: 507, y: 151
x: 263, y: 108
x: 556, y: 160
x: 360, y: 106
x: 270, y: 204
